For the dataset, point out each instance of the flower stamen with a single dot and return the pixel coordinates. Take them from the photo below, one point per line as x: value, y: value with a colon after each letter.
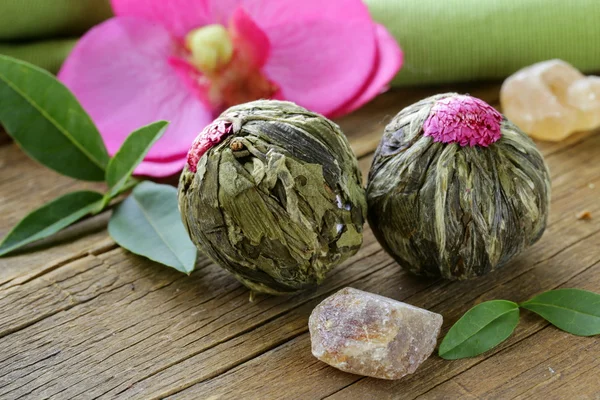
x: 211, y: 48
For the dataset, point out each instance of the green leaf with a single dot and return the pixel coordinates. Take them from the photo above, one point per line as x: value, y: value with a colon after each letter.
x: 50, y: 218
x: 46, y: 120
x: 573, y: 310
x: 131, y: 153
x: 148, y: 223
x: 481, y: 328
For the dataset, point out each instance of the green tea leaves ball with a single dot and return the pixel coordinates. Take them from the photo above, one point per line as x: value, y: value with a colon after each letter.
x: 273, y: 193
x: 455, y: 189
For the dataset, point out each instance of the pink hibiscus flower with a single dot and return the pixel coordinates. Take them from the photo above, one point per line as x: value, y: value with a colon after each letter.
x: 187, y: 60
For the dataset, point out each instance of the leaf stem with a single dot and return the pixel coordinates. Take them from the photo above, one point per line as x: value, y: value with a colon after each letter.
x: 128, y: 186
x: 108, y: 196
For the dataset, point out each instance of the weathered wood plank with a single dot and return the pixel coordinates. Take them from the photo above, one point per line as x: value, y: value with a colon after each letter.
x: 432, y: 297
x: 220, y: 359
x: 111, y: 324
x: 192, y: 315
x: 548, y: 274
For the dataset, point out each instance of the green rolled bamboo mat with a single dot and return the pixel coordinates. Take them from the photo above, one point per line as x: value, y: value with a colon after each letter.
x: 44, y: 31
x: 48, y: 54
x: 443, y: 40
x: 45, y: 19
x: 467, y: 40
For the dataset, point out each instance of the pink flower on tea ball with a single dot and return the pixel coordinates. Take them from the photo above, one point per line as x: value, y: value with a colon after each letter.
x: 187, y: 60
x: 465, y: 120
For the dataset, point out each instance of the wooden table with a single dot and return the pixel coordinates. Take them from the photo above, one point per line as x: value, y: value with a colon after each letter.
x: 86, y: 319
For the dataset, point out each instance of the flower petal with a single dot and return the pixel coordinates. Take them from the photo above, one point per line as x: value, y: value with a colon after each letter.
x: 390, y: 60
x: 319, y: 58
x: 280, y: 12
x: 178, y: 16
x: 121, y: 73
x: 277, y: 12
x: 220, y: 11
x: 249, y: 39
x: 161, y: 169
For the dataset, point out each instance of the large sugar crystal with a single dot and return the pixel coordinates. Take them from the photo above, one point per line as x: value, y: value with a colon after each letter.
x: 551, y: 100
x: 367, y: 334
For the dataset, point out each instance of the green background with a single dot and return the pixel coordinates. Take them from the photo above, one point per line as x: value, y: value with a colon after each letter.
x: 443, y: 40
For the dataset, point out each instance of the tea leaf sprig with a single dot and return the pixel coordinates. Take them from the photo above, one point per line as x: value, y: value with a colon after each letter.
x: 45, y: 119
x: 488, y: 324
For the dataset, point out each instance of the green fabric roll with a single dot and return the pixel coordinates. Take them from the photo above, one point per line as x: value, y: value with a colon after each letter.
x: 467, y: 40
x: 48, y: 54
x: 44, y: 19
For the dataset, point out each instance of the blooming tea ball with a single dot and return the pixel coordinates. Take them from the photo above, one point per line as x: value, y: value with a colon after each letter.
x: 455, y: 189
x: 273, y: 193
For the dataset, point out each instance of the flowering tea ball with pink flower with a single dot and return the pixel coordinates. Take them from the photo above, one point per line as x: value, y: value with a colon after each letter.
x: 187, y: 60
x: 456, y: 190
x: 272, y: 193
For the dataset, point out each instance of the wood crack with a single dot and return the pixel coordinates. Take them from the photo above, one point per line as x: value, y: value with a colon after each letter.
x: 19, y: 281
x: 63, y: 308
x: 343, y: 387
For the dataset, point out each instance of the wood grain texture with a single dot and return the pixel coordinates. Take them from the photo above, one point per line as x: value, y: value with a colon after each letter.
x: 86, y: 319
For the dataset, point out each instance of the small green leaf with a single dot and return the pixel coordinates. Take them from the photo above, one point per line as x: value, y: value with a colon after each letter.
x: 148, y: 223
x: 573, y: 310
x: 481, y: 328
x: 50, y: 218
x: 46, y: 120
x: 131, y: 153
